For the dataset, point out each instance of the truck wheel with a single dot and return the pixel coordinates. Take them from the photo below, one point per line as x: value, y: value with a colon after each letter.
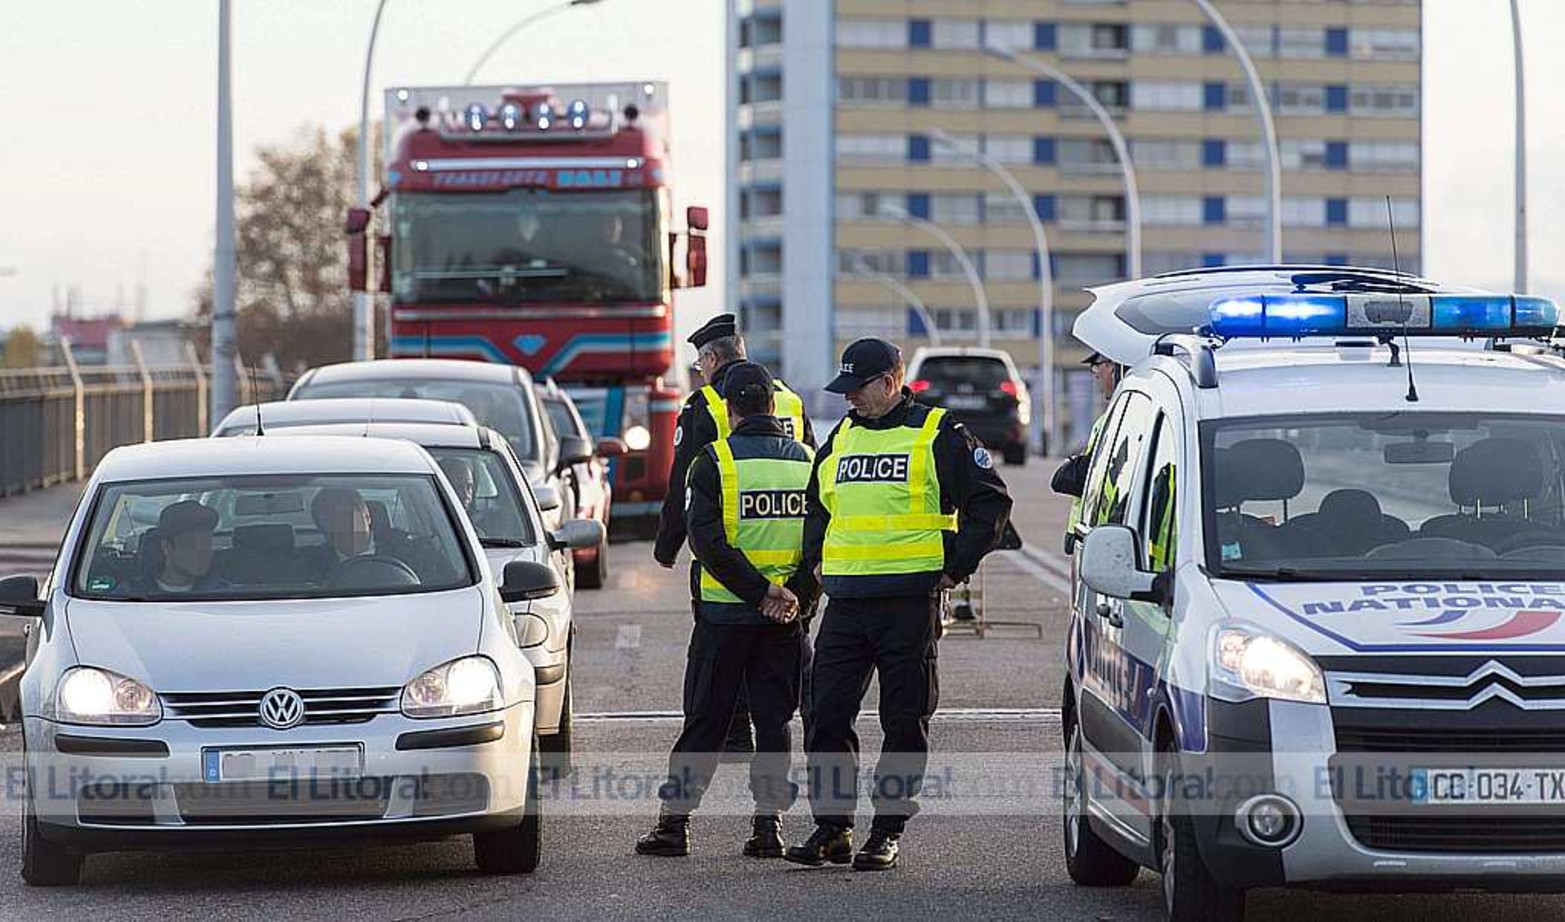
x: 45, y: 864
x: 1190, y: 892
x: 1090, y: 861
x: 516, y: 850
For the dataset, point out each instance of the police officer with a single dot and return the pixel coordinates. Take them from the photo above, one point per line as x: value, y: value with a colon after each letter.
x: 1071, y: 477
x: 903, y: 505
x: 703, y: 421
x: 746, y: 525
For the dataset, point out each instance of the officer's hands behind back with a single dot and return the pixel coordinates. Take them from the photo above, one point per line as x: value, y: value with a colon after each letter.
x: 780, y: 604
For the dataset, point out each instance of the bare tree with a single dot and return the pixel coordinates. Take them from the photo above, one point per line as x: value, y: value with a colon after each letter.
x: 23, y: 348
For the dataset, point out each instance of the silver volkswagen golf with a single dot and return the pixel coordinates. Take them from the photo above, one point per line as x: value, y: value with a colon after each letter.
x: 226, y: 653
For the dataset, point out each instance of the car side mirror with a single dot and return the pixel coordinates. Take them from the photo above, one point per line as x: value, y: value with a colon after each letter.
x: 1109, y: 566
x: 526, y: 580
x: 610, y: 447
x: 577, y: 534
x: 548, y: 497
x: 574, y: 450
x: 19, y: 597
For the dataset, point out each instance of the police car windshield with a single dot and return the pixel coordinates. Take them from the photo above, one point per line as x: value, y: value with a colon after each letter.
x: 1345, y: 496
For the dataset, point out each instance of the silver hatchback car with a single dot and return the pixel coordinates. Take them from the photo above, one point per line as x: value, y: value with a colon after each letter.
x: 226, y: 654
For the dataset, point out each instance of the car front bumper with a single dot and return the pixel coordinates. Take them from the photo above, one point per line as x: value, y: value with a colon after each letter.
x: 118, y: 788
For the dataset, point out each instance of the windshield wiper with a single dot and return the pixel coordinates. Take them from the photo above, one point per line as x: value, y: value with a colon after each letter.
x: 502, y: 542
x: 1287, y: 575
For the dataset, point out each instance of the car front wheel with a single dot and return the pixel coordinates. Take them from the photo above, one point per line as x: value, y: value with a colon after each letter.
x: 516, y: 850
x: 45, y: 864
x: 1190, y: 892
x: 1090, y: 861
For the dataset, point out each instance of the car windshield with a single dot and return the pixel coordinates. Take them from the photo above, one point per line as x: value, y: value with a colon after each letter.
x: 501, y: 407
x: 982, y: 373
x: 560, y: 415
x: 526, y: 246
x: 270, y: 537
x: 489, y: 494
x: 1398, y: 495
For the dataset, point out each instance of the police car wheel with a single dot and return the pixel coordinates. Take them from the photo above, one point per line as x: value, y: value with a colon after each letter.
x: 1190, y: 892
x: 516, y: 850
x: 1089, y: 860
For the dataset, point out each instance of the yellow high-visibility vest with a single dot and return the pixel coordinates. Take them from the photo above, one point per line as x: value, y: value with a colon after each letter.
x: 790, y: 409
x: 763, y: 514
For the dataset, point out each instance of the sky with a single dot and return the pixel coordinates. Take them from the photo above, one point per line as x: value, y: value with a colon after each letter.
x: 107, y: 164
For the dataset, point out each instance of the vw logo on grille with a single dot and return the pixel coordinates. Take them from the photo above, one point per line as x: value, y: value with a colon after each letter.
x: 282, y: 708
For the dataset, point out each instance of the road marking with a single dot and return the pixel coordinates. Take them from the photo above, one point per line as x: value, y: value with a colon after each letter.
x: 944, y: 715
x: 1048, y: 559
x: 1037, y: 571
x: 629, y: 637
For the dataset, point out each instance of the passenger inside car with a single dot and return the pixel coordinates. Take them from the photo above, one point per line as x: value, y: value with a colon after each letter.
x: 176, y: 555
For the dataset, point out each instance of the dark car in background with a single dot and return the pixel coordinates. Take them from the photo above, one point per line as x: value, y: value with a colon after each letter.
x: 980, y: 387
x: 588, y: 481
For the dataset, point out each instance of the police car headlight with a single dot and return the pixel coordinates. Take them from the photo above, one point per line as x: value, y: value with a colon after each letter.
x: 1250, y: 664
x: 470, y: 685
x: 87, y: 695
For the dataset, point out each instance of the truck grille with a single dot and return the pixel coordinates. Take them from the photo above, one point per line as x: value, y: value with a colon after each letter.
x: 321, y: 706
x: 1463, y: 833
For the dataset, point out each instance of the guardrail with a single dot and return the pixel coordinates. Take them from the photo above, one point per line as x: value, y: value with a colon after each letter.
x: 57, y: 423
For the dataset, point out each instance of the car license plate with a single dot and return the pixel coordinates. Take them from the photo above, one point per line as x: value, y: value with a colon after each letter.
x: 1488, y: 786
x: 288, y: 764
x: 966, y: 402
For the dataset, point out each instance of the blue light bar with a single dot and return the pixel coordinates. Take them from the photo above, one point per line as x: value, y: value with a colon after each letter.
x: 1297, y: 315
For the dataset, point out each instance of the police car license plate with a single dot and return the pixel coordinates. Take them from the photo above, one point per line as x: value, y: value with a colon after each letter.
x: 1488, y: 786
x: 296, y: 763
x: 966, y: 402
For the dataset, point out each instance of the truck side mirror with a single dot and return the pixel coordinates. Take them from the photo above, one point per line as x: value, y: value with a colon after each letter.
x: 358, y: 248
x: 383, y: 263
x: 697, y: 218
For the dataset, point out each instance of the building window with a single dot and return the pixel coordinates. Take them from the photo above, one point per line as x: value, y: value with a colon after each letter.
x: 955, y: 34
x: 1045, y: 36
x: 1336, y: 98
x: 1303, y: 211
x: 1369, y: 211
x: 954, y: 92
x: 1259, y: 40
x: 918, y: 148
x: 1301, y: 42
x: 955, y: 319
x: 1214, y: 96
x: 918, y: 91
x: 855, y: 261
x: 918, y: 33
x: 881, y: 322
x: 1158, y: 262
x: 872, y: 91
x: 1008, y: 148
x: 1166, y: 96
x: 1089, y: 268
x: 1384, y: 100
x: 1384, y: 44
x: 953, y: 153
x: 943, y: 264
x: 1336, y: 212
x: 1157, y: 38
x: 1092, y: 212
x: 1009, y: 33
x: 1044, y: 94
x: 872, y: 148
x: 1171, y: 210
x: 1245, y: 211
x: 855, y: 206
x: 872, y: 33
x: 1300, y: 98
x: 1213, y: 209
x: 1008, y: 94
x: 1089, y: 155
x: 1003, y: 208
x: 954, y: 208
x: 1214, y: 152
x: 1042, y: 150
x: 1383, y: 156
x: 1165, y: 155
x: 1337, y: 42
x: 1094, y: 40
x: 1009, y: 265
x: 1302, y: 154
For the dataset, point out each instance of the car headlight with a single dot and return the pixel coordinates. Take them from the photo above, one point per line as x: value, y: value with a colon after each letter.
x: 470, y: 685
x: 1251, y: 664
x: 637, y: 438
x: 88, y: 695
x: 532, y: 628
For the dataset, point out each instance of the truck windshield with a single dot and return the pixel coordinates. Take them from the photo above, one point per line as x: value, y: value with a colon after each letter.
x: 1399, y: 495
x: 527, y: 245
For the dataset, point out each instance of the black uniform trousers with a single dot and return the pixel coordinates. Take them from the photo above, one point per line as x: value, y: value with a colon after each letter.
x: 897, y: 637
x: 766, y: 661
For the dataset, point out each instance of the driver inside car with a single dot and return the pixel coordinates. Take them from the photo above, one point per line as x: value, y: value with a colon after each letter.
x: 343, y: 519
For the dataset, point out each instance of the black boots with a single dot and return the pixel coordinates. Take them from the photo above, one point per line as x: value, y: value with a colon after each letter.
x: 826, y: 843
x: 879, y: 853
x: 670, y: 838
x: 766, y: 842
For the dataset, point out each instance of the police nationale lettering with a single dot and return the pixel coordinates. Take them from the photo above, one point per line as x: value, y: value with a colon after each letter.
x: 872, y: 469
x: 771, y: 504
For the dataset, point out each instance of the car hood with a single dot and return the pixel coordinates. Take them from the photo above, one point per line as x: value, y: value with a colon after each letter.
x: 1386, y: 617
x: 206, y: 646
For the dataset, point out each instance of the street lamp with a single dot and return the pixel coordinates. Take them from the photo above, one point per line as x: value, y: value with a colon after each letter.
x: 1521, y: 150
x: 1045, y: 275
x: 862, y: 270
x: 1263, y: 111
x: 960, y: 255
x: 524, y: 23
x: 363, y: 320
x: 1116, y: 140
x: 225, y: 331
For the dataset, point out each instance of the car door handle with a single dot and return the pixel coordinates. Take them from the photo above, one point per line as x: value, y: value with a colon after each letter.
x: 1108, y: 612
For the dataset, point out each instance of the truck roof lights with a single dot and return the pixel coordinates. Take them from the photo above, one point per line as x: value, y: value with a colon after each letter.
x: 543, y: 116
x: 510, y: 116
x: 476, y: 116
x: 1296, y: 315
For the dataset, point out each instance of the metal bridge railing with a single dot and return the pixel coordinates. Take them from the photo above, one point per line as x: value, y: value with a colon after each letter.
x: 57, y: 423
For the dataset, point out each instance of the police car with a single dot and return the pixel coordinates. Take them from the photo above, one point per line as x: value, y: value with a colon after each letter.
x: 1318, y: 636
